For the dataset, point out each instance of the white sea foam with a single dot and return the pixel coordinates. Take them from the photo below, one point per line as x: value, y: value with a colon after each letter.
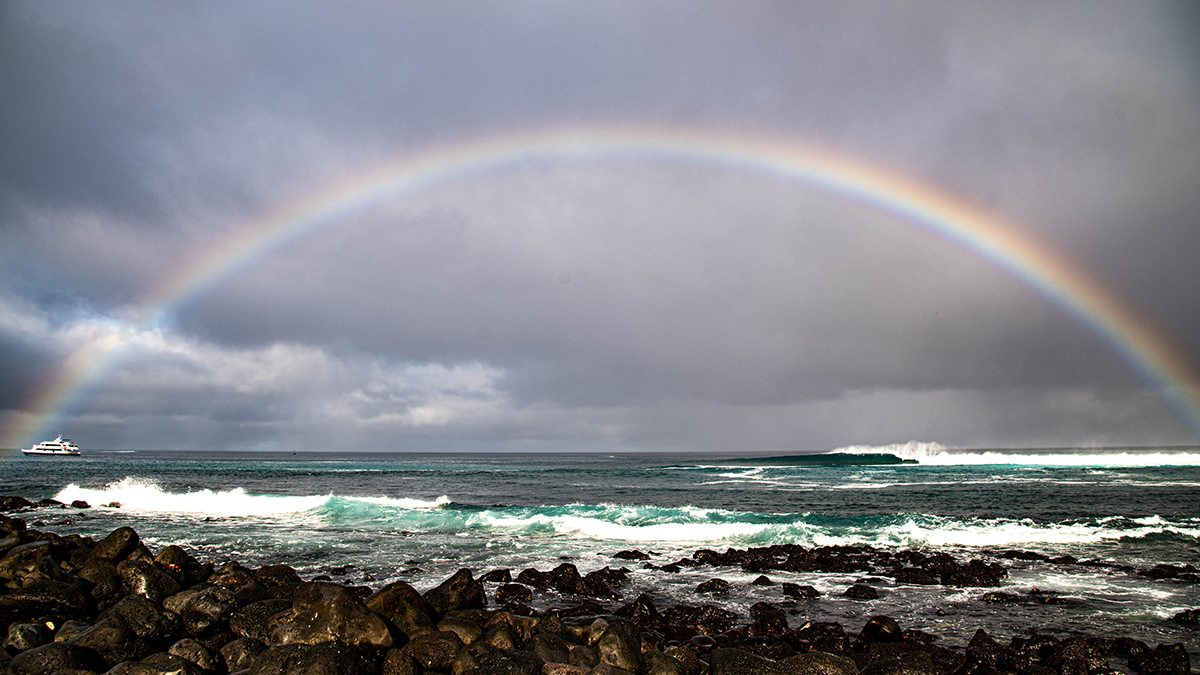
x: 994, y: 533
x: 146, y: 496
x: 937, y: 454
x: 136, y: 494
x: 404, y: 502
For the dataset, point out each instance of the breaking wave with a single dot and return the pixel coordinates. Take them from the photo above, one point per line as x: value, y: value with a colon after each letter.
x: 668, y: 525
x: 935, y: 454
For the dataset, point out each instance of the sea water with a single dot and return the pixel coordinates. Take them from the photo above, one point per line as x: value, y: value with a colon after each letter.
x: 372, y: 518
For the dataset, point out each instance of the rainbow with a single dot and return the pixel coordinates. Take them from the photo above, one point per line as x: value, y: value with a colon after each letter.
x: 918, y: 204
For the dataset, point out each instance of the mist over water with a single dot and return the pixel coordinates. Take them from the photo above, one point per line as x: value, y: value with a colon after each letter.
x: 420, y: 517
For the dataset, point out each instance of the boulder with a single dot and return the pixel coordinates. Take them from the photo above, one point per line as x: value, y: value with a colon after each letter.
x: 803, y: 591
x: 631, y: 555
x: 880, y: 629
x: 258, y: 619
x: 1171, y: 658
x: 207, y: 609
x: 22, y: 636
x: 974, y: 573
x: 861, y: 592
x: 142, y: 577
x: 240, y: 654
x: 641, y: 611
x: 481, y: 659
x: 433, y: 651
x: 44, y: 600
x: 194, y: 652
x: 54, y: 657
x: 727, y: 661
x: 157, y: 664
x: 818, y: 663
x: 403, y: 607
x: 14, y: 503
x: 510, y: 594
x: 328, y: 659
x: 713, y: 586
x: 118, y: 544
x: 620, y: 646
x: 497, y: 577
x: 460, y: 591
x: 326, y: 613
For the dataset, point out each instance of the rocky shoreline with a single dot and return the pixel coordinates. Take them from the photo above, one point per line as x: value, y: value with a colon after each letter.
x: 77, y: 605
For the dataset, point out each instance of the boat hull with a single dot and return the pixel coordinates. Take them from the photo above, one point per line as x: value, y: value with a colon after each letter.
x: 55, y: 453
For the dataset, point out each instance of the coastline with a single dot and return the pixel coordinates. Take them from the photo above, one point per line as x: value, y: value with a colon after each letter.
x: 112, y: 604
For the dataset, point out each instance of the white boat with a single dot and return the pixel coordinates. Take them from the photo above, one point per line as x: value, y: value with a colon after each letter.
x: 58, y: 446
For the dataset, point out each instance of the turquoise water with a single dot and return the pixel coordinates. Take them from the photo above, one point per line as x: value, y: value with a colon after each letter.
x: 420, y: 517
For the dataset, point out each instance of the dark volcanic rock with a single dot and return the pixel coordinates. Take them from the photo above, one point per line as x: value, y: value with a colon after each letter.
x: 620, y: 646
x: 14, y: 503
x: 1188, y: 617
x: 460, y: 591
x: 482, y: 659
x: 330, y: 659
x: 641, y: 611
x: 762, y: 580
x: 54, y: 657
x: 433, y: 651
x: 157, y: 664
x: 191, y: 650
x: 208, y: 608
x: 144, y: 578
x: 713, y: 586
x: 631, y: 555
x: 726, y: 661
x: 326, y: 613
x: 497, y: 577
x: 22, y: 636
x: 240, y: 654
x: 861, y: 592
x: 880, y: 629
x: 258, y: 619
x: 44, y: 600
x: 1179, y: 572
x: 513, y: 594
x: 706, y: 619
x: 403, y: 607
x: 119, y: 543
x: 974, y: 573
x: 916, y: 576
x: 803, y: 591
x: 1162, y: 659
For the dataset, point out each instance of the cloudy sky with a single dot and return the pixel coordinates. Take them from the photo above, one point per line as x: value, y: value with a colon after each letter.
x: 634, y: 301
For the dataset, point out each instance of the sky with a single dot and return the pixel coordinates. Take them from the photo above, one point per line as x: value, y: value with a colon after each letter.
x: 576, y: 299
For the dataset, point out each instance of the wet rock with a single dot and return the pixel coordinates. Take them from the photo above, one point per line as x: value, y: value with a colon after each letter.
x: 620, y: 646
x: 481, y: 659
x: 240, y: 654
x: 114, y: 641
x: 818, y: 663
x: 1188, y: 617
x: 915, y: 576
x: 880, y: 629
x: 80, y: 504
x: 769, y: 622
x: 208, y: 608
x: 1162, y: 659
x: 331, y: 659
x: 631, y: 555
x: 1080, y: 656
x: 713, y: 586
x: 143, y: 618
x: 195, y: 653
x: 326, y: 613
x: 54, y: 657
x: 822, y: 636
x: 403, y: 607
x: 258, y: 619
x: 497, y: 577
x: 118, y: 544
x: 1001, y: 598
x: 641, y: 611
x: 985, y: 654
x: 460, y: 591
x: 28, y: 562
x: 727, y: 661
x: 762, y: 580
x: 1179, y: 572
x: 44, y: 600
x: 69, y: 629
x: 433, y: 651
x: 22, y: 636
x: 157, y: 664
x: 803, y: 591
x: 656, y: 663
x: 467, y: 631
x: 10, y: 503
x: 974, y: 573
x: 692, y: 665
x: 706, y: 619
x: 144, y: 578
x: 241, y: 582
x: 181, y: 566
x: 513, y: 594
x: 861, y: 592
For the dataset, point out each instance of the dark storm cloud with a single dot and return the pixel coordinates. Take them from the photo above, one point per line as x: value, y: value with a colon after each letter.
x: 645, y: 303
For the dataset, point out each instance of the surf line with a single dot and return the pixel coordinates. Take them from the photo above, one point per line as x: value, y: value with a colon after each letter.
x: 920, y: 205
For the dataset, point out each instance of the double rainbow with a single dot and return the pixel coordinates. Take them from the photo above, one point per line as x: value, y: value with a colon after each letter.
x: 912, y: 202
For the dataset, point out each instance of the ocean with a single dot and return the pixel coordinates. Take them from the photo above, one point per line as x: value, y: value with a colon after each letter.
x: 371, y: 518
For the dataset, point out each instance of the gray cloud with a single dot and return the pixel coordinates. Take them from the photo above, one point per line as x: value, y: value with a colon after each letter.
x: 589, y: 304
